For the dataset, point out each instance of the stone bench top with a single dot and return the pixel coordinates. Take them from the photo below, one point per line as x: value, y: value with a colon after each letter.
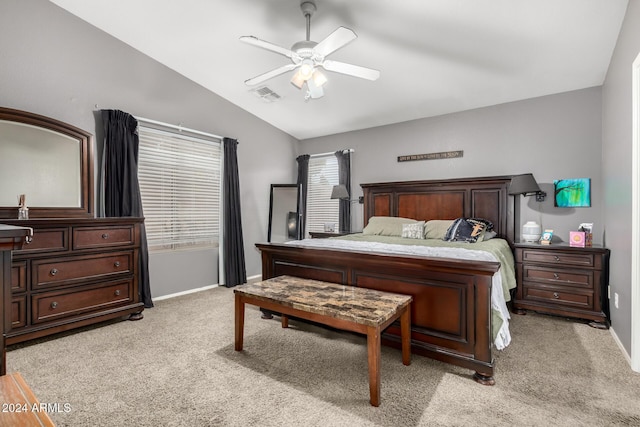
x: 360, y: 305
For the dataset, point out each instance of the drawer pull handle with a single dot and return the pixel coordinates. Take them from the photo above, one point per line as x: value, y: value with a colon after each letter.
x: 116, y: 264
x: 117, y: 292
x: 557, y: 258
x: 556, y: 276
x: 555, y: 295
x: 54, y: 271
x: 54, y: 304
x: 105, y: 236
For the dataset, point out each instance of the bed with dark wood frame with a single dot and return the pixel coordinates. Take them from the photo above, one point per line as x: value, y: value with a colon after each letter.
x: 451, y: 311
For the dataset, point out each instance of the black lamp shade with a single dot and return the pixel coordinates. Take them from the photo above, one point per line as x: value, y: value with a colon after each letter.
x: 339, y: 192
x: 524, y: 184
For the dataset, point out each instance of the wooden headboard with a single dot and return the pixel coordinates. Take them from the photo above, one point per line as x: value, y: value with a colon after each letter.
x: 445, y: 199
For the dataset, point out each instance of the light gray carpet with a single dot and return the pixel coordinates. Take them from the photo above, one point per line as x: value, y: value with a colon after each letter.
x: 177, y: 367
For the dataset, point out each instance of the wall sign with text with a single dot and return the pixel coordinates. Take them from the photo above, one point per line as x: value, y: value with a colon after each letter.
x: 431, y: 156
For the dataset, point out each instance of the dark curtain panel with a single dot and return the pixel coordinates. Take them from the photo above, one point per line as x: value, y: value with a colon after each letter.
x: 120, y: 182
x: 234, y: 265
x: 344, y: 178
x: 303, y: 179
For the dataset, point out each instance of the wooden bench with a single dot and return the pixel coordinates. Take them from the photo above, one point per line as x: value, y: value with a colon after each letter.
x: 20, y: 407
x: 350, y: 308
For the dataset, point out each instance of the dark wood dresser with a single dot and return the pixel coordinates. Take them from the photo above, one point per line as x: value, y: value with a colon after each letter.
x: 11, y: 238
x: 563, y: 280
x: 75, y: 272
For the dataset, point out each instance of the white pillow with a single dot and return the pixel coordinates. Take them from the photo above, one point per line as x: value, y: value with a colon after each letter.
x: 414, y: 230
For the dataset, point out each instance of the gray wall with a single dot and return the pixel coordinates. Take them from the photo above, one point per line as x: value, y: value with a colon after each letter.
x: 617, y: 168
x: 553, y: 137
x: 56, y: 65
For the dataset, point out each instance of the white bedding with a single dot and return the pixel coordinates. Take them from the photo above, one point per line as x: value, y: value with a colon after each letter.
x: 498, y: 302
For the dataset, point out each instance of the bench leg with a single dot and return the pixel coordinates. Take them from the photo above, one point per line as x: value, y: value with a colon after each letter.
x: 285, y: 320
x: 239, y: 322
x: 405, y: 334
x: 373, y: 355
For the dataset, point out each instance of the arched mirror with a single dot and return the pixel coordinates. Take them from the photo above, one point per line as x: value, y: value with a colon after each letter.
x: 49, y: 162
x: 283, y: 213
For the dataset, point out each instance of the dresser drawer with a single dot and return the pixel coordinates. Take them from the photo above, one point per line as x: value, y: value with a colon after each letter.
x: 50, y: 306
x: 94, y: 237
x: 18, y: 276
x: 68, y: 270
x: 558, y: 276
x: 560, y: 258
x: 47, y: 240
x: 18, y: 311
x: 559, y: 297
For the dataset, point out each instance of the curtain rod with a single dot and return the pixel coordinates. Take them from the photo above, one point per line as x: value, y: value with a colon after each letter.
x: 178, y: 127
x: 350, y: 150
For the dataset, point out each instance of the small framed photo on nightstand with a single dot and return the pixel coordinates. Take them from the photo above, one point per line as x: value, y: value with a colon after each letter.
x: 547, y: 236
x: 329, y: 227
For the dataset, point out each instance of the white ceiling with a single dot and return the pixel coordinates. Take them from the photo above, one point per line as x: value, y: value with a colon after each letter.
x: 435, y: 56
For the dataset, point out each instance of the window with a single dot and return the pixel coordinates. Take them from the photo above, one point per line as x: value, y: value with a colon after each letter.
x: 321, y: 208
x: 180, y: 181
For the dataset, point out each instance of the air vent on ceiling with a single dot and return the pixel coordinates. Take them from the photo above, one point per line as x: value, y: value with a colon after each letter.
x: 266, y: 94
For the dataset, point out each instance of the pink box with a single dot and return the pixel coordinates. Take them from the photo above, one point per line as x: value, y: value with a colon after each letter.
x: 577, y: 239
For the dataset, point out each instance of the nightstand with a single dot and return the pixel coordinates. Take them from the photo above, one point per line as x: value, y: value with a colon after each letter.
x: 324, y: 235
x: 563, y: 280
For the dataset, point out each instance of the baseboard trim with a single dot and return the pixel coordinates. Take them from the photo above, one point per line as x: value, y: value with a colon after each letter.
x: 257, y: 277
x: 187, y: 292
x: 622, y: 349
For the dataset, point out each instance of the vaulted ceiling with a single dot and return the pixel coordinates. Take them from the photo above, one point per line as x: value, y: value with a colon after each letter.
x: 434, y: 56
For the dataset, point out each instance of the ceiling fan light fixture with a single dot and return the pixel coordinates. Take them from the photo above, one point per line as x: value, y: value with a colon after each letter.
x: 319, y: 79
x: 308, y: 56
x: 297, y: 80
x: 314, y: 91
x: 306, y: 69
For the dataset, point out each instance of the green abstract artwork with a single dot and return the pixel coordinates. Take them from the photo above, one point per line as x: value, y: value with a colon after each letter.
x: 572, y: 193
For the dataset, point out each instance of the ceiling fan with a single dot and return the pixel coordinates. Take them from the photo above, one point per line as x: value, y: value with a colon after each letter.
x: 308, y: 56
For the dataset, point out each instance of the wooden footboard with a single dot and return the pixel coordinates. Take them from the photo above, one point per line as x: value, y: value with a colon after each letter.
x: 451, y: 309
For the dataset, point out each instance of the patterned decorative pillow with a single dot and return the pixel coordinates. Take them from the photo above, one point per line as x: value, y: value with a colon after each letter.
x: 386, y: 225
x: 470, y: 230
x: 414, y: 230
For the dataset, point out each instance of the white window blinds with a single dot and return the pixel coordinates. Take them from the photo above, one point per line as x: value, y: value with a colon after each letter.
x: 180, y: 185
x: 321, y: 208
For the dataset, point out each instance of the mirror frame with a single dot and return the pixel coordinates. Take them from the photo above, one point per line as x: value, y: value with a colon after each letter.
x: 271, y: 208
x: 85, y: 210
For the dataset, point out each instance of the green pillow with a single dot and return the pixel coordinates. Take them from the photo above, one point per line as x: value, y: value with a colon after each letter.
x: 437, y: 228
x: 386, y: 225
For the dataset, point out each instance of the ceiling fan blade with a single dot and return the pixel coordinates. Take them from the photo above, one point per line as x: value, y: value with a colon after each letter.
x: 334, y: 41
x: 268, y: 46
x: 350, y: 69
x: 269, y: 74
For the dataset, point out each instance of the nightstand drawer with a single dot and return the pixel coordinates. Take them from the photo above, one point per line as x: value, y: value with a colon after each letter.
x: 556, y: 257
x: 559, y: 297
x: 557, y: 276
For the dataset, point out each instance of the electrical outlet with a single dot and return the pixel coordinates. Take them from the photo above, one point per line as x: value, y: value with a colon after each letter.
x: 615, y: 299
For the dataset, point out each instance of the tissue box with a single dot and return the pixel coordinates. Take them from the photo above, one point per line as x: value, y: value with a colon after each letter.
x: 577, y: 239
